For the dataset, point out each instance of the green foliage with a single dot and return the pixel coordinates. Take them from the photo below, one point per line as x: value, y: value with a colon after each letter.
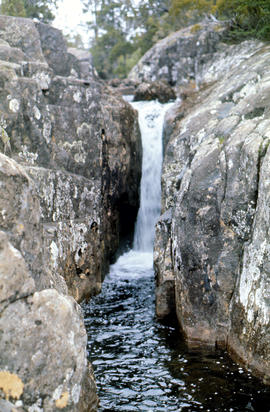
x: 250, y: 18
x: 35, y: 9
x: 123, y: 32
x: 74, y: 41
x: 195, y: 28
x: 221, y: 139
x: 200, y: 6
x: 13, y: 8
x: 40, y: 9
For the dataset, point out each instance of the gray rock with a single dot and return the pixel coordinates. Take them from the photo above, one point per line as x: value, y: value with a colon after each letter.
x: 192, y: 57
x: 81, y: 146
x: 159, y: 90
x: 178, y: 59
x: 165, y: 280
x: 83, y: 63
x: 71, y: 167
x: 20, y: 219
x: 42, y: 342
x: 250, y: 333
x: 215, y: 182
x: 6, y: 406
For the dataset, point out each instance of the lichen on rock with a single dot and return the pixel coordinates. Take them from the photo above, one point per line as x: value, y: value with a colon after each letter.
x: 11, y: 385
x: 70, y: 165
x: 214, y: 185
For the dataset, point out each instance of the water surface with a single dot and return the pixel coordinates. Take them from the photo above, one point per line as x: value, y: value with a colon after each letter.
x: 142, y: 365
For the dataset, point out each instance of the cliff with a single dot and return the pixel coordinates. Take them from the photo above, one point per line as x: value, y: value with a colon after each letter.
x: 212, y: 241
x: 69, y: 174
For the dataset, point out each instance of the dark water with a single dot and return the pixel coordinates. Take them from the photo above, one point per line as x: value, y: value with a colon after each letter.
x: 142, y: 365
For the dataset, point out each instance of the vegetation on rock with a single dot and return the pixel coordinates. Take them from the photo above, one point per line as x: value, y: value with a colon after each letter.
x: 248, y: 18
x: 11, y: 385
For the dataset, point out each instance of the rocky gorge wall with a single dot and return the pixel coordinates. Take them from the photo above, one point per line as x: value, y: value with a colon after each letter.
x: 212, y: 241
x: 70, y: 166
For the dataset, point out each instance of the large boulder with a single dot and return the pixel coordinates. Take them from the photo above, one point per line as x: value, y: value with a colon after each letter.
x: 215, y: 185
x: 69, y: 178
x: 43, y: 364
x: 164, y: 275
x: 159, y: 90
x: 178, y: 58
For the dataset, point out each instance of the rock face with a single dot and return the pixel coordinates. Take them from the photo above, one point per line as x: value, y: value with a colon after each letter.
x: 178, y: 59
x: 78, y: 143
x: 215, y: 187
x: 69, y: 174
x: 165, y: 280
x: 42, y: 334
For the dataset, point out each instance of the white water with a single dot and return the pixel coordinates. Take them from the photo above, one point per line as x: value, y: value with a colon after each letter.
x: 151, y: 118
x: 139, y: 261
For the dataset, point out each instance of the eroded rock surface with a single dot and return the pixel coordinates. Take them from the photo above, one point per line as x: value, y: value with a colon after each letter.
x: 69, y: 169
x: 215, y: 184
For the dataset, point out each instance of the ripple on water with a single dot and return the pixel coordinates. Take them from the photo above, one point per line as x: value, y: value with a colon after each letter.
x: 142, y: 365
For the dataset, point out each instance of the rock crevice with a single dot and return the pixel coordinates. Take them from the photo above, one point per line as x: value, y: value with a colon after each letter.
x: 71, y: 151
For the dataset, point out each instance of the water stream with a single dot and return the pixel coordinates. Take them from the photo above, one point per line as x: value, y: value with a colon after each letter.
x: 141, y: 364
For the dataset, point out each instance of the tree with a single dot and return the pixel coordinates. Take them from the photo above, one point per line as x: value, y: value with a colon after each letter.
x: 111, y: 22
x: 74, y: 40
x: 124, y: 32
x: 200, y: 6
x: 40, y: 9
x: 35, y: 9
x: 154, y: 22
x: 250, y: 18
x: 13, y: 8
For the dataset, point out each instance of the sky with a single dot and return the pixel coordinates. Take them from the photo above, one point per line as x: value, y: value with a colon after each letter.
x: 71, y: 19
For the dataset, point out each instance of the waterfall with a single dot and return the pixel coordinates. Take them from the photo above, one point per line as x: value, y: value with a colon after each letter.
x: 151, y: 118
x: 139, y: 260
x: 138, y: 365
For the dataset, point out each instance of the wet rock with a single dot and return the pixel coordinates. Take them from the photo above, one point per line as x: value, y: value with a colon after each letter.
x: 159, y: 90
x: 215, y: 182
x: 124, y: 87
x: 165, y: 280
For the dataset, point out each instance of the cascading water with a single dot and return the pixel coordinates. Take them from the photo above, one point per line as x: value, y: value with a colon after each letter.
x: 151, y: 117
x: 139, y: 260
x: 139, y: 364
